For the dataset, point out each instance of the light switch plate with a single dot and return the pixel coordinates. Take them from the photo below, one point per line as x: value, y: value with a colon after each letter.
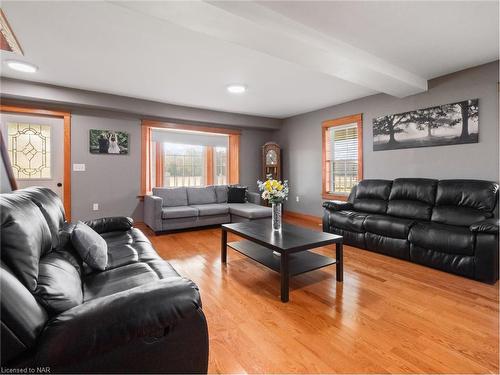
x: 95, y: 207
x: 79, y: 167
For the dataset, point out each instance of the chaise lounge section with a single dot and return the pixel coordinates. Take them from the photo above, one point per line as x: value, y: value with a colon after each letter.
x: 169, y: 209
x: 449, y: 224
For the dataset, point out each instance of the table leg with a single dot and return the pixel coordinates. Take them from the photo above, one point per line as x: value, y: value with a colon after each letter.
x: 223, y: 246
x: 340, y: 261
x: 284, y: 277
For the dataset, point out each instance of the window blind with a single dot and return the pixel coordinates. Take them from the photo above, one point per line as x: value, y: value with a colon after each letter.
x: 343, y: 158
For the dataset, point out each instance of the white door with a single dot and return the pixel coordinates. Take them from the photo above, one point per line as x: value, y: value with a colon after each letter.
x: 35, y: 145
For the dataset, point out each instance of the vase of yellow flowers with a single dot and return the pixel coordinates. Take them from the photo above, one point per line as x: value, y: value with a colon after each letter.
x: 275, y: 192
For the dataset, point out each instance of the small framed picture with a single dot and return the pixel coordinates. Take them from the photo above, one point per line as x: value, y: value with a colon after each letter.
x: 108, y: 142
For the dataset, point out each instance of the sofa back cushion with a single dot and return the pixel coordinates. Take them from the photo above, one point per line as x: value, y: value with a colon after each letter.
x: 172, y: 197
x: 51, y: 206
x: 23, y: 318
x: 201, y: 195
x: 412, y: 198
x: 464, y: 202
x: 221, y: 193
x: 372, y: 195
x: 25, y: 237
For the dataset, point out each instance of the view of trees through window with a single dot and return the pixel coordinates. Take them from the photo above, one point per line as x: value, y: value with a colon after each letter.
x: 220, y: 169
x: 186, y: 165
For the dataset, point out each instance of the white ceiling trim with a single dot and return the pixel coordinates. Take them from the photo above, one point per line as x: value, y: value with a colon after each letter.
x: 259, y: 28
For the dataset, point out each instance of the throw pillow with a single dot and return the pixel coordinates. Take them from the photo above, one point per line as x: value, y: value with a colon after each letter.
x: 90, y: 246
x: 237, y: 194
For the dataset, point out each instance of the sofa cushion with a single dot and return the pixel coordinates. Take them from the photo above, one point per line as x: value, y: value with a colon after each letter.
x: 212, y: 209
x: 249, y: 210
x: 444, y: 238
x: 464, y: 202
x: 129, y: 237
x: 179, y: 211
x: 221, y: 193
x: 372, y: 195
x: 25, y: 237
x: 237, y: 194
x: 201, y: 195
x: 462, y: 216
x: 348, y: 220
x: 90, y: 245
x: 388, y: 226
x: 127, y: 277
x: 59, y: 285
x: 172, y: 197
x: 51, y: 207
x: 412, y: 198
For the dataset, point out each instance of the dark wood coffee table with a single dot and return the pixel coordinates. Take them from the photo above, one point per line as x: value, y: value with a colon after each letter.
x: 293, y: 243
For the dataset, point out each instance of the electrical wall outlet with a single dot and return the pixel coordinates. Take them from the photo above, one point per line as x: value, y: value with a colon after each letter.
x: 297, y: 198
x: 79, y: 167
x: 95, y: 207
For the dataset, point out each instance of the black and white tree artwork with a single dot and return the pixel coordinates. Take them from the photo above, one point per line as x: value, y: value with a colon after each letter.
x: 448, y: 124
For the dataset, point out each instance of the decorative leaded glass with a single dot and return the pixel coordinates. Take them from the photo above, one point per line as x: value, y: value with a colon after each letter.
x: 29, y: 150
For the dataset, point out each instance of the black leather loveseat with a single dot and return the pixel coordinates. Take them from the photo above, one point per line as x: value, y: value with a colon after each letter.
x: 447, y: 224
x: 137, y: 316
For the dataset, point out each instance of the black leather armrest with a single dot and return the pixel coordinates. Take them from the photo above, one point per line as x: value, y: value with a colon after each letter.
x: 103, y: 324
x: 486, y: 226
x: 337, y: 205
x: 111, y: 224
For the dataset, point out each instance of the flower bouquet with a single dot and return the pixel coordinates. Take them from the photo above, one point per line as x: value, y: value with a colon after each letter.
x: 275, y: 192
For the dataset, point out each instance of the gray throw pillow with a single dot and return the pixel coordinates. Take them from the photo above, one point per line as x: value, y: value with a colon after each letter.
x: 90, y: 245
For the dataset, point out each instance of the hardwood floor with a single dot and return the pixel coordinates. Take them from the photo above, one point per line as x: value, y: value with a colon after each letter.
x: 389, y: 316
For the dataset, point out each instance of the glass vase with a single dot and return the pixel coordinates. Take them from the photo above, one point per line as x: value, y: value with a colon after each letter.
x: 276, y: 216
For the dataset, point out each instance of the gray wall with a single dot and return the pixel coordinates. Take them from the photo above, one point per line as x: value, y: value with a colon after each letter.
x: 300, y: 137
x: 4, y: 178
x: 113, y: 181
x: 64, y: 97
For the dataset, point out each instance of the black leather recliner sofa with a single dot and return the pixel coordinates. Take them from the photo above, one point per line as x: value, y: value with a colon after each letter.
x: 447, y: 224
x: 137, y: 316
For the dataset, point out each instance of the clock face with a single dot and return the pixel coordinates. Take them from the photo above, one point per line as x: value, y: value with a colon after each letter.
x: 271, y: 157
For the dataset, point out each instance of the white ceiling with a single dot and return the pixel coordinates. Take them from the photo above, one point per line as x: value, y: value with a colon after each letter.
x: 294, y: 56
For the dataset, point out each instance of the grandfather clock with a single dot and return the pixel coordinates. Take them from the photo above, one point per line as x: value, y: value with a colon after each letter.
x: 271, y: 160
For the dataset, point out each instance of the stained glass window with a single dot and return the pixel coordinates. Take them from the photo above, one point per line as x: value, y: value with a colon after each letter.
x: 29, y: 150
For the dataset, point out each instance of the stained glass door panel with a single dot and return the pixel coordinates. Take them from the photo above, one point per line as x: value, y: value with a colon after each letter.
x: 35, y: 145
x: 29, y: 150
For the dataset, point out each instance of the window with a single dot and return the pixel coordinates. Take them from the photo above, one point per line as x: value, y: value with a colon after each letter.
x: 184, y: 155
x: 183, y: 165
x: 220, y: 176
x: 29, y: 150
x: 342, y: 156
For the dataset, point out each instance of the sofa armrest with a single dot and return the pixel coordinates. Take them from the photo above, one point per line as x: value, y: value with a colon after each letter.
x: 105, y: 324
x: 111, y: 224
x: 337, y: 205
x: 253, y: 197
x: 152, y: 212
x: 486, y: 226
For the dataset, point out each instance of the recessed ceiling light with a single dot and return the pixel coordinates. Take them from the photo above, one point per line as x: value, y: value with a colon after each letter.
x: 22, y: 66
x: 236, y: 89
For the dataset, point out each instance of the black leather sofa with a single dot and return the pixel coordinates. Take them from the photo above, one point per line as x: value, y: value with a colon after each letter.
x: 137, y: 316
x: 449, y: 224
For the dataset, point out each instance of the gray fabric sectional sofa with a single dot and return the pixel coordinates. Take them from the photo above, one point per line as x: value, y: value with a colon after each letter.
x: 188, y: 207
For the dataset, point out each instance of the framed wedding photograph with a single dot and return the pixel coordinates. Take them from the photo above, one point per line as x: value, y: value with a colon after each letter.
x: 108, y: 142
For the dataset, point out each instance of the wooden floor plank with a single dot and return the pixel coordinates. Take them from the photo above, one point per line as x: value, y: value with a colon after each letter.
x: 389, y: 316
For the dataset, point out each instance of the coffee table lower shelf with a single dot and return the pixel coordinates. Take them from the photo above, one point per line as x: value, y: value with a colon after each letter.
x: 298, y: 263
